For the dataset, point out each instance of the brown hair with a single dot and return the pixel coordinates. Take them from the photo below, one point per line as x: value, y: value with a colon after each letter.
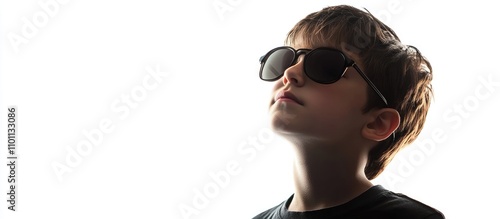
x: 399, y: 71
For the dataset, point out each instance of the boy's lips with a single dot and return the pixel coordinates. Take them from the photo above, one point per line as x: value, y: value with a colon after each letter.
x: 287, y: 95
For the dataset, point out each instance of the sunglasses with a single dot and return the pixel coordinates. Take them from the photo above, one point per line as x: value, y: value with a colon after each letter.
x: 322, y: 65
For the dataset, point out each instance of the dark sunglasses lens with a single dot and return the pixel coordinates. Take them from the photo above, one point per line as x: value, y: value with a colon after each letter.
x: 324, y: 66
x: 276, y: 64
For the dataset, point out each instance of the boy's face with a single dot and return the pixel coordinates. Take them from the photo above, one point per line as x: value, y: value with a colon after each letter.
x: 325, y: 113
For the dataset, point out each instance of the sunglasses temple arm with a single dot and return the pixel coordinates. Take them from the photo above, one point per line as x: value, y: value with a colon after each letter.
x: 370, y: 83
x: 393, y: 135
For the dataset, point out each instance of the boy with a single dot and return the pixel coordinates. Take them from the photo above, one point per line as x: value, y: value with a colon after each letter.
x: 348, y: 95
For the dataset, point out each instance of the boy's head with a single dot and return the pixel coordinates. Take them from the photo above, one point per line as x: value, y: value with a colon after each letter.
x: 401, y: 74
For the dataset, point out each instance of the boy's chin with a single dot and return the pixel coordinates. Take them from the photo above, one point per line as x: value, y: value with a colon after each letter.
x: 285, y: 125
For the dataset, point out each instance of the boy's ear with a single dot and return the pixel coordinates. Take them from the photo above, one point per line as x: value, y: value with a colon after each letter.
x: 381, y: 125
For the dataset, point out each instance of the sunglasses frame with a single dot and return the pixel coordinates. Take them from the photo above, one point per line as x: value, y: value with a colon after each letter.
x: 347, y: 63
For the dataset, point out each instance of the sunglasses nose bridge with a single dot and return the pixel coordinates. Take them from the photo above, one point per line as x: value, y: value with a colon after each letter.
x: 301, y: 52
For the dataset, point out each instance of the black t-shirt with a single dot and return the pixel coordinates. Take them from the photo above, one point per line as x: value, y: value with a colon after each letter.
x: 377, y: 203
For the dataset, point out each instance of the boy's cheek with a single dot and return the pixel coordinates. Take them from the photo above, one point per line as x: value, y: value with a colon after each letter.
x: 279, y: 83
x: 271, y: 101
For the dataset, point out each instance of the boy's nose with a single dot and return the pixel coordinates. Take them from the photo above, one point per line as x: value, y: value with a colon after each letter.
x: 295, y: 74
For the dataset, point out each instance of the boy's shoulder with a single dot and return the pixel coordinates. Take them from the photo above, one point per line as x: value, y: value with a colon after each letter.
x: 377, y: 202
x: 397, y: 205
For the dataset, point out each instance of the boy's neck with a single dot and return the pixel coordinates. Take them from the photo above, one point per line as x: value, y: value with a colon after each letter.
x: 324, y: 179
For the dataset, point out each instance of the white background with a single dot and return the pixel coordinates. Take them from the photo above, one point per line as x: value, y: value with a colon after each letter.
x: 84, y: 56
